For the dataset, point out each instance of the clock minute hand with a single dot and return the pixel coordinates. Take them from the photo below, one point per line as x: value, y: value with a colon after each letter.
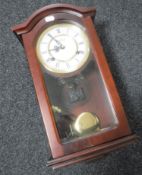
x: 58, y: 42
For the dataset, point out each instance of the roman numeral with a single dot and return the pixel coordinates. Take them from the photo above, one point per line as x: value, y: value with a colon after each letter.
x: 76, y: 35
x: 68, y: 66
x: 43, y: 52
x: 58, y: 30
x: 57, y: 65
x: 81, y: 43
x: 76, y: 59
x: 52, y: 59
x: 79, y: 52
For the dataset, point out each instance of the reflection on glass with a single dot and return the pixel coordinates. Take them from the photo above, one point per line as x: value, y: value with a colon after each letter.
x: 77, y: 94
x: 80, y: 104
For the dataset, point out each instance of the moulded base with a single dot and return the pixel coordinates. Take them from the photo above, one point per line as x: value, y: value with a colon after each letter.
x: 91, y: 153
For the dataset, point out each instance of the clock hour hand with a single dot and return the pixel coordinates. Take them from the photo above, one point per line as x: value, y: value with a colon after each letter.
x: 56, y: 49
x: 58, y: 42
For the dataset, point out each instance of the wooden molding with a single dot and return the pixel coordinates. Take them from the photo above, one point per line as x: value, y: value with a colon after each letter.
x: 48, y: 10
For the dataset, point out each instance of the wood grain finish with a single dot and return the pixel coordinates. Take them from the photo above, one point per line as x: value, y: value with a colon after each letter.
x: 28, y: 32
x: 92, y: 153
x: 50, y: 9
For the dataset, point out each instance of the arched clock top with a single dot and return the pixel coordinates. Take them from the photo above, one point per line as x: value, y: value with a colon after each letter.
x: 48, y: 10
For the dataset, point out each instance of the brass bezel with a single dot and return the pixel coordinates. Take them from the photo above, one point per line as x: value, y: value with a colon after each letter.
x: 55, y: 72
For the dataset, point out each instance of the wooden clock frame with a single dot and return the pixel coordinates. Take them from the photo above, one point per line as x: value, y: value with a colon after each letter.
x: 89, y: 147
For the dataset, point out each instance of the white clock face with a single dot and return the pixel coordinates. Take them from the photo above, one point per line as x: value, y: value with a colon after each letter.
x: 63, y: 48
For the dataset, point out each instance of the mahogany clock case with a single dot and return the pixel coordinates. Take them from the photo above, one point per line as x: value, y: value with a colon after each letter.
x: 103, y: 101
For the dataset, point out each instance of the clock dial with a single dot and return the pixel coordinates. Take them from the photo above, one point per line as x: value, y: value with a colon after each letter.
x: 63, y: 48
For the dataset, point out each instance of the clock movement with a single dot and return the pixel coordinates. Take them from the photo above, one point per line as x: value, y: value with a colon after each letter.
x: 80, y: 106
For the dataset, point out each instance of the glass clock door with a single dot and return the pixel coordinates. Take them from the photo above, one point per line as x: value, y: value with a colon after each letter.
x: 77, y: 93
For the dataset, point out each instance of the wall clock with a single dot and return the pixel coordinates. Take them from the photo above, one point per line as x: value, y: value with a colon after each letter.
x: 81, y: 109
